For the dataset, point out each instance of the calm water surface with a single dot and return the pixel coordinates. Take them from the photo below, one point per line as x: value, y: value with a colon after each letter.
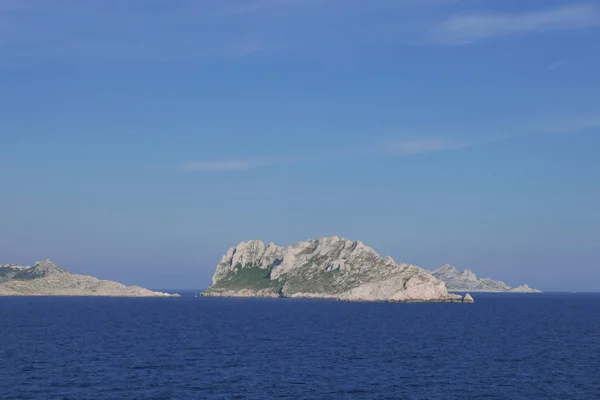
x: 505, y: 346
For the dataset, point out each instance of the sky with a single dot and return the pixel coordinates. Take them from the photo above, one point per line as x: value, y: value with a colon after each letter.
x: 140, y: 139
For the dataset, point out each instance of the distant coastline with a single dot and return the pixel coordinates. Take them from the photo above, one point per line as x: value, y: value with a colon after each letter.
x: 467, y: 281
x: 48, y: 279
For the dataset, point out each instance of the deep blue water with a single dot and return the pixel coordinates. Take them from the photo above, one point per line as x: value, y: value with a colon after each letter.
x: 505, y: 346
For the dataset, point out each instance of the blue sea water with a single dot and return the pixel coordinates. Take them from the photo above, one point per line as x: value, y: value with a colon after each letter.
x: 505, y: 346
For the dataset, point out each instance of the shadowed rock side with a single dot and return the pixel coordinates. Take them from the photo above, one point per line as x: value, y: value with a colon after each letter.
x: 47, y: 279
x: 326, y: 268
x: 467, y: 281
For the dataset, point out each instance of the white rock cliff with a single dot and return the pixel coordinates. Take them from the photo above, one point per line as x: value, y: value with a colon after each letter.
x: 467, y: 281
x: 332, y: 268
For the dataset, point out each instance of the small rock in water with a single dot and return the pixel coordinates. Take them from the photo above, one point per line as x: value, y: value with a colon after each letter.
x: 468, y: 298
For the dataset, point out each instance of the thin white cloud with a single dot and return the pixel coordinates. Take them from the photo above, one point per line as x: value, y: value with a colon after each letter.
x: 320, y: 6
x: 400, y: 147
x: 196, y: 31
x: 207, y: 166
x: 396, y: 148
x: 239, y: 165
x: 571, y: 126
x: 469, y: 28
x: 558, y: 64
x: 157, y: 31
x: 423, y: 145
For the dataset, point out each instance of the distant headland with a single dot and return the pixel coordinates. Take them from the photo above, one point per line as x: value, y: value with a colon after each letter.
x: 467, y: 281
x: 48, y: 279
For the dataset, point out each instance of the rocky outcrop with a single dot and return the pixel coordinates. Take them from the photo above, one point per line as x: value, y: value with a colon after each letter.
x: 326, y: 268
x: 467, y: 281
x: 47, y: 279
x: 524, y: 289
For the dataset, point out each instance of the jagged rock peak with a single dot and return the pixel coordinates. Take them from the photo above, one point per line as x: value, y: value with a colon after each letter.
x: 451, y: 270
x: 258, y: 247
x: 327, y: 267
x: 469, y: 275
x: 48, y: 267
x: 524, y: 289
x: 466, y: 280
x: 254, y: 252
x: 447, y: 268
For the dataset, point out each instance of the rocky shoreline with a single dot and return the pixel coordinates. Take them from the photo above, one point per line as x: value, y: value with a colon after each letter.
x: 467, y: 298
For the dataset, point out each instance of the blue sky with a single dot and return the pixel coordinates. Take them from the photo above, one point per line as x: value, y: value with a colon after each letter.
x: 141, y: 139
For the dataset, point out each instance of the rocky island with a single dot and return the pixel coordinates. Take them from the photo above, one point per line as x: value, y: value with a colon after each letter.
x: 326, y: 268
x: 48, y: 279
x: 467, y: 281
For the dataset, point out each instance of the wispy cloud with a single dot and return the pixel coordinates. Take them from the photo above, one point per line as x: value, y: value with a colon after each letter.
x: 239, y: 165
x: 138, y: 30
x: 469, y: 28
x: 424, y: 145
x: 196, y: 31
x: 396, y: 148
x: 558, y: 64
x: 207, y: 166
x: 571, y: 125
x: 404, y: 147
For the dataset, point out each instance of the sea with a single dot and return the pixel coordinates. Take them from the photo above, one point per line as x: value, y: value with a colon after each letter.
x: 504, y: 346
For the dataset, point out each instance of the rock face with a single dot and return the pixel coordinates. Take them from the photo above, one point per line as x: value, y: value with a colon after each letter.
x: 524, y: 289
x: 47, y: 279
x: 326, y: 268
x: 467, y: 281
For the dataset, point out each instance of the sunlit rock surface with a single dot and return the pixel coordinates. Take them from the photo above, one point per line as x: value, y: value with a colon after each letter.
x: 326, y: 268
x: 48, y: 279
x: 467, y: 281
